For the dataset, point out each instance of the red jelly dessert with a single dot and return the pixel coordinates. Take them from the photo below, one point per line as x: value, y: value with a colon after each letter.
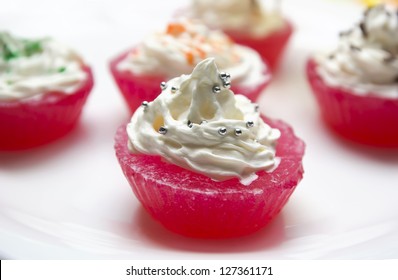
x: 163, y: 55
x: 367, y: 119
x: 270, y: 47
x: 213, y: 171
x: 356, y: 86
x: 43, y: 87
x: 194, y: 205
x: 248, y: 23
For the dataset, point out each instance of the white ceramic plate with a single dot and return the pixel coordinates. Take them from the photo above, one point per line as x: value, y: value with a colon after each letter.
x: 69, y: 200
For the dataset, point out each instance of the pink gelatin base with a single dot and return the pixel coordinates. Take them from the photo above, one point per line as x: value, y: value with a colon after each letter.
x: 367, y: 119
x: 270, y: 47
x: 137, y: 88
x: 33, y: 122
x: 194, y: 205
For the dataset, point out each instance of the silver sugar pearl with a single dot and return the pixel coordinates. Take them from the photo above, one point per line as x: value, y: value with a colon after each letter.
x: 145, y: 105
x: 216, y: 89
x: 174, y: 89
x: 163, y: 85
x: 249, y: 124
x: 238, y: 131
x: 162, y: 130
x: 227, y: 84
x: 228, y: 75
x: 222, y: 131
x: 189, y: 123
x: 256, y: 107
x: 223, y: 75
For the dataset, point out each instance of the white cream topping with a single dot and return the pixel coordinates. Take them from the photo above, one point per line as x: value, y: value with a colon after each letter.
x: 54, y: 67
x: 204, y: 129
x: 184, y: 44
x: 366, y: 60
x: 246, y: 16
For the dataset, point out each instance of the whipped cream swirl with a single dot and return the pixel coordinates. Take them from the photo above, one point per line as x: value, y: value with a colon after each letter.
x: 30, y: 68
x: 185, y: 43
x: 199, y: 124
x: 246, y: 16
x: 366, y: 60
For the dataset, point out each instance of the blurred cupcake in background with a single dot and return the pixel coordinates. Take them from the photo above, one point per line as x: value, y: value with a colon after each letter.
x: 43, y: 87
x: 247, y: 22
x: 356, y: 85
x: 174, y: 51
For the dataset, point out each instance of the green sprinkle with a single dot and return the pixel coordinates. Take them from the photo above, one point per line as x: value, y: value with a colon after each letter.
x: 8, y: 54
x: 32, y: 47
x: 61, y: 69
x: 12, y: 47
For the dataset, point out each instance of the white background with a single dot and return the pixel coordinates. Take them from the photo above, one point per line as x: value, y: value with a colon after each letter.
x: 69, y: 199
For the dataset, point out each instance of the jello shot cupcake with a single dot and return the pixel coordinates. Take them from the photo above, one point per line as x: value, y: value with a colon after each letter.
x: 248, y: 22
x: 204, y: 162
x: 356, y: 84
x: 175, y: 51
x: 43, y: 87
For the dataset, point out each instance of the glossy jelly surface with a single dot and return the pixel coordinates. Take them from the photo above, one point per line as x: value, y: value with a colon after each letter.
x: 270, y: 47
x: 194, y: 205
x: 366, y: 119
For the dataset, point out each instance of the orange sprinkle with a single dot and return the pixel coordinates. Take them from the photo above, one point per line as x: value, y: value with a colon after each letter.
x: 175, y: 29
x: 189, y: 57
x: 202, y: 53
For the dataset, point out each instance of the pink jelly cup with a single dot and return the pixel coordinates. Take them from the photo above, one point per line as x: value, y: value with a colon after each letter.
x: 194, y: 205
x: 138, y: 88
x: 270, y: 47
x: 367, y: 119
x: 33, y: 122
